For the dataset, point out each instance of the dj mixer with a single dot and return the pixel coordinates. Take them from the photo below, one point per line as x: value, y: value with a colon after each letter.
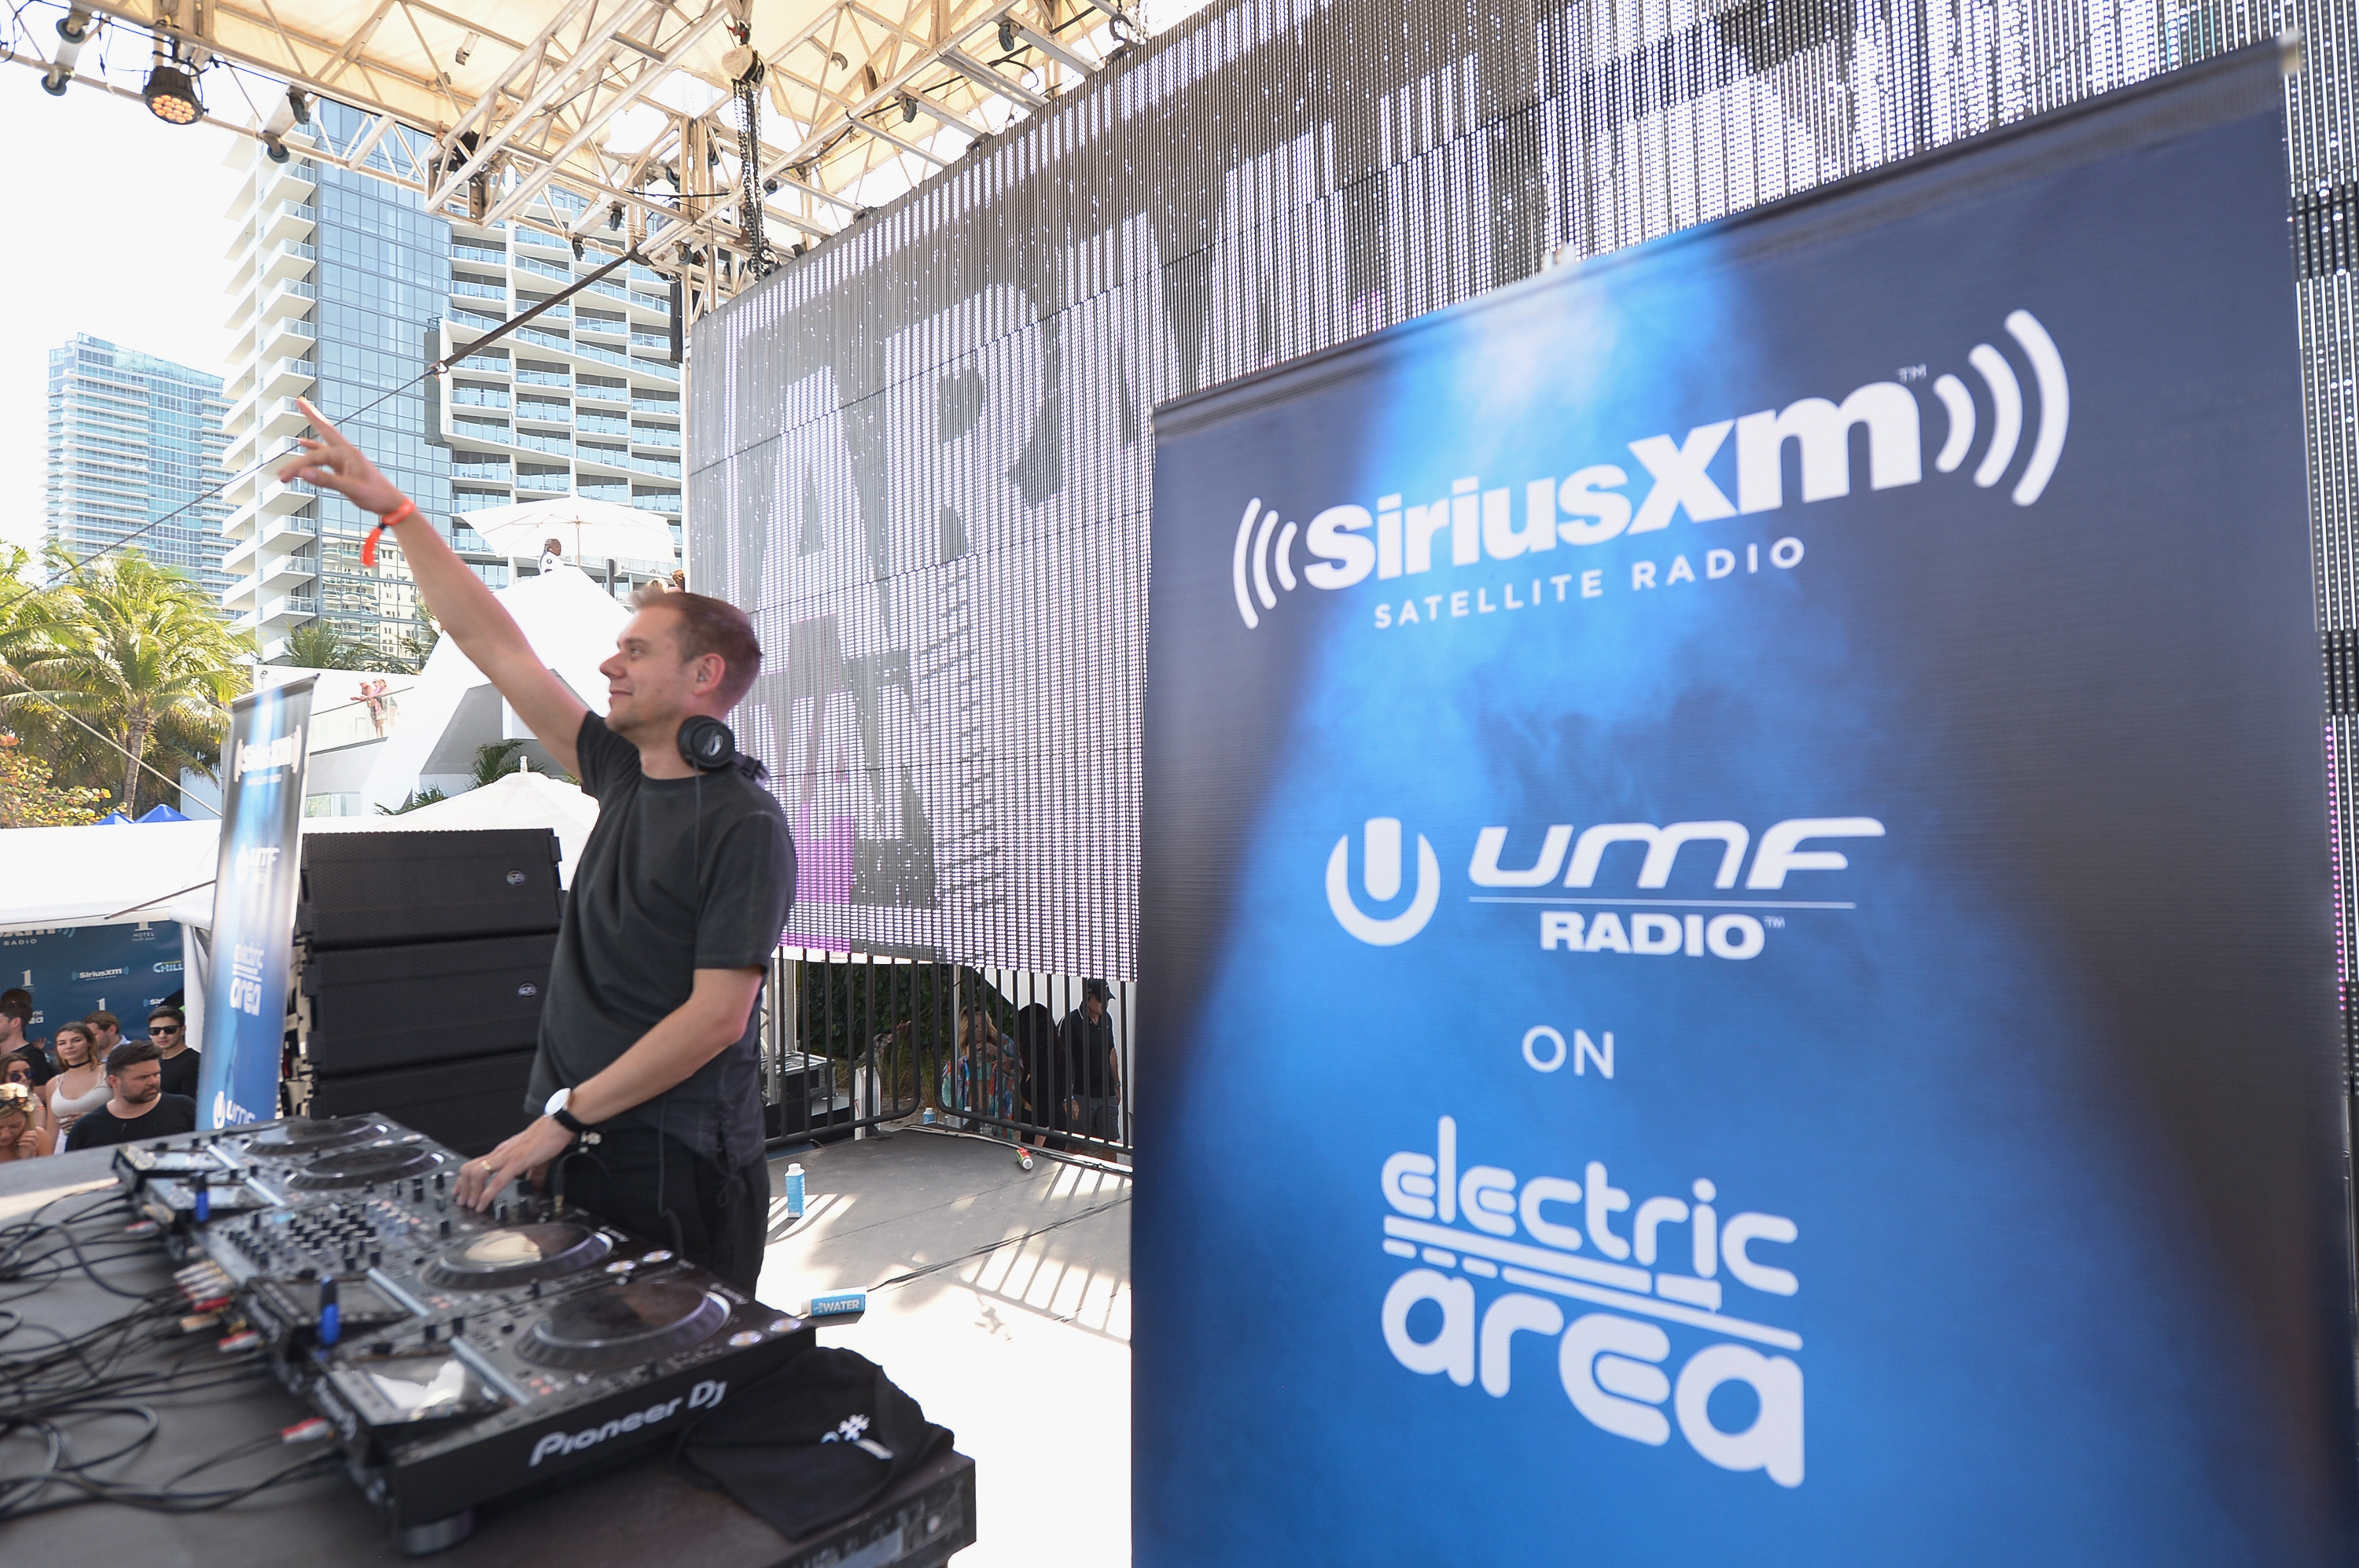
x: 462, y: 1356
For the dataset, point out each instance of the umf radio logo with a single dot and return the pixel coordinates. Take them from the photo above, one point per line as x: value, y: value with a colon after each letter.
x: 1590, y: 920
x: 1592, y: 505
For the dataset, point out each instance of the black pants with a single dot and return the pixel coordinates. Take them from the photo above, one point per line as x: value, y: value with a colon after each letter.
x: 715, y: 1218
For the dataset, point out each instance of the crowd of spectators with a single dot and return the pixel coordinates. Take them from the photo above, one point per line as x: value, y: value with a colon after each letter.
x: 1039, y: 1081
x: 86, y: 1085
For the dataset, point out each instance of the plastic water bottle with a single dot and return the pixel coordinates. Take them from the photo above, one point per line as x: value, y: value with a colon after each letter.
x: 794, y: 1191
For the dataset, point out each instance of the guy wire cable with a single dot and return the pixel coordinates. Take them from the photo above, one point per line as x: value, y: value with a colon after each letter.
x: 440, y: 366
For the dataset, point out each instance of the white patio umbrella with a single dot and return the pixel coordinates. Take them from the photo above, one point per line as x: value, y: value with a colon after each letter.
x: 591, y: 530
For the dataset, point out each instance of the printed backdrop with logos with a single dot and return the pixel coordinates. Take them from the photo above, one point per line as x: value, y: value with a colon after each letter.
x: 75, y: 971
x: 254, y: 906
x: 1758, y: 808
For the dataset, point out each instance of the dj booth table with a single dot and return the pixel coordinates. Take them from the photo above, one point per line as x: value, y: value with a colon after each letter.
x: 638, y: 1513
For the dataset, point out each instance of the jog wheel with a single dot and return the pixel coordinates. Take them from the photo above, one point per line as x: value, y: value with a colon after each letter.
x: 386, y: 1160
x: 619, y: 1325
x: 517, y: 1255
x: 296, y: 1139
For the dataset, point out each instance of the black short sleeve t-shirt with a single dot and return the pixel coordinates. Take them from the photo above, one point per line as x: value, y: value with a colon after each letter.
x: 170, y: 1117
x: 679, y: 875
x: 181, y: 1072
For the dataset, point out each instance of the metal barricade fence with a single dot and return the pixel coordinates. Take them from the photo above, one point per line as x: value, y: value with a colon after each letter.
x: 851, y: 1041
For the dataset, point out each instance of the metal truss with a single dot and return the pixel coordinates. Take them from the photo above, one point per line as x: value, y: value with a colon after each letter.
x: 507, y: 110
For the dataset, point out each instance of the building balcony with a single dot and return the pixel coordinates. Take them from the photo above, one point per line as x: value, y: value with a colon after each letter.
x: 288, y: 221
x: 282, y: 615
x: 279, y: 500
x: 290, y: 258
x: 287, y: 339
x: 286, y: 377
x: 286, y: 571
x: 282, y: 420
x: 295, y: 184
x: 239, y: 553
x: 290, y: 301
x: 239, y: 596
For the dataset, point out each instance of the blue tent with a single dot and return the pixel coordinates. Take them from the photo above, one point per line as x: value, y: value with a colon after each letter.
x: 161, y: 814
x: 112, y: 819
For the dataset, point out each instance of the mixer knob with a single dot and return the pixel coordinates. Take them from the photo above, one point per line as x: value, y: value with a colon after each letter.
x: 446, y: 1227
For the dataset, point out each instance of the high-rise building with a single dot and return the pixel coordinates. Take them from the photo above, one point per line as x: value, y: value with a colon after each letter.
x: 344, y: 290
x: 134, y: 440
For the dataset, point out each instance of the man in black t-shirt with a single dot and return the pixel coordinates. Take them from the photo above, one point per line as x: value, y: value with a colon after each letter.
x: 168, y: 1029
x: 648, y: 1033
x: 139, y: 1109
x: 15, y: 1024
x: 1092, y: 1073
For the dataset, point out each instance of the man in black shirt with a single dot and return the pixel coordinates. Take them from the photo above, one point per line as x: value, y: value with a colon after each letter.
x: 140, y: 1109
x: 1092, y: 1075
x: 15, y: 1019
x: 648, y: 1034
x: 168, y: 1028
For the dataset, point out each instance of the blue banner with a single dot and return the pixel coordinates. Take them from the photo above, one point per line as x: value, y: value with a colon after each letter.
x: 75, y: 971
x: 263, y: 765
x: 1736, y: 922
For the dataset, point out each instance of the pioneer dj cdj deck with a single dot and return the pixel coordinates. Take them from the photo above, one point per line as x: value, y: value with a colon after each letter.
x: 461, y: 1356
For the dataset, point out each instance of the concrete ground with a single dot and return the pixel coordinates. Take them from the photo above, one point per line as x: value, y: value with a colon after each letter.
x: 1000, y: 1301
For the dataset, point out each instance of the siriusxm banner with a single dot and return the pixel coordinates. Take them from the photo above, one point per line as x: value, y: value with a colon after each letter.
x: 254, y: 906
x: 75, y: 971
x: 1736, y: 917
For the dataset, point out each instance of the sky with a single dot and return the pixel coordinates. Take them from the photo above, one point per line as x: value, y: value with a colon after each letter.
x: 120, y: 222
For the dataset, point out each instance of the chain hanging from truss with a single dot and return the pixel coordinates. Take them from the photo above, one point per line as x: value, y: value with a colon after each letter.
x: 760, y: 259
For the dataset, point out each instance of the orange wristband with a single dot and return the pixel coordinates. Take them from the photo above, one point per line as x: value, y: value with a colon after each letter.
x: 407, y: 510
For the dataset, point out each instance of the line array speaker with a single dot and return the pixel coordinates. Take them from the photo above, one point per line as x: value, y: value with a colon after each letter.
x: 374, y: 890
x: 374, y: 1008
x: 468, y: 1104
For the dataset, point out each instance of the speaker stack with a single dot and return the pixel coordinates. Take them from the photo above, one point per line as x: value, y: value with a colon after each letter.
x: 424, y: 959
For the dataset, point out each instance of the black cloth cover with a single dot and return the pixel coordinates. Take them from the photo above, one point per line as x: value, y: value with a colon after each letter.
x: 813, y: 1442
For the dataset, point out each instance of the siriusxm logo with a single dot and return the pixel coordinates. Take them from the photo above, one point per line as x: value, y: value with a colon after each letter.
x: 1738, y: 932
x: 1594, y: 504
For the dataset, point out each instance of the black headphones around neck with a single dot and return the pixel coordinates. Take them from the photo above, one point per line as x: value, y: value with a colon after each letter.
x: 706, y: 744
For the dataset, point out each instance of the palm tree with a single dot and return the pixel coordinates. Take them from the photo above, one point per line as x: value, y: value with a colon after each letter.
x: 496, y: 760
x: 139, y: 653
x: 318, y: 645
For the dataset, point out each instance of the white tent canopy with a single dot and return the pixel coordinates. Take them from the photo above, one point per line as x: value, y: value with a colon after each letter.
x: 108, y: 876
x: 571, y: 624
x: 164, y: 871
x: 515, y: 800
x: 586, y: 529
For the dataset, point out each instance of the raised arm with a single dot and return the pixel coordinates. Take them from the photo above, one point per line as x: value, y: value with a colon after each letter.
x: 480, y: 624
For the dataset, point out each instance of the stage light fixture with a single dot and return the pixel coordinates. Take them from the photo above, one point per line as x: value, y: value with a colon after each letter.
x: 579, y: 250
x: 300, y: 104
x: 171, y: 96
x: 908, y: 108
x: 770, y: 185
x: 1006, y: 35
x: 614, y: 218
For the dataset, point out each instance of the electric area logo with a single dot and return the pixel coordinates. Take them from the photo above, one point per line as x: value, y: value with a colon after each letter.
x: 1590, y: 507
x: 1735, y: 928
x: 1557, y: 1264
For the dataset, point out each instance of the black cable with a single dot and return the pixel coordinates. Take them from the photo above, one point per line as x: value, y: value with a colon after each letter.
x: 437, y: 367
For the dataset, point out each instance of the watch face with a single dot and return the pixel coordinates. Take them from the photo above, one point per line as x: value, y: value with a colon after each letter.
x: 557, y: 1102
